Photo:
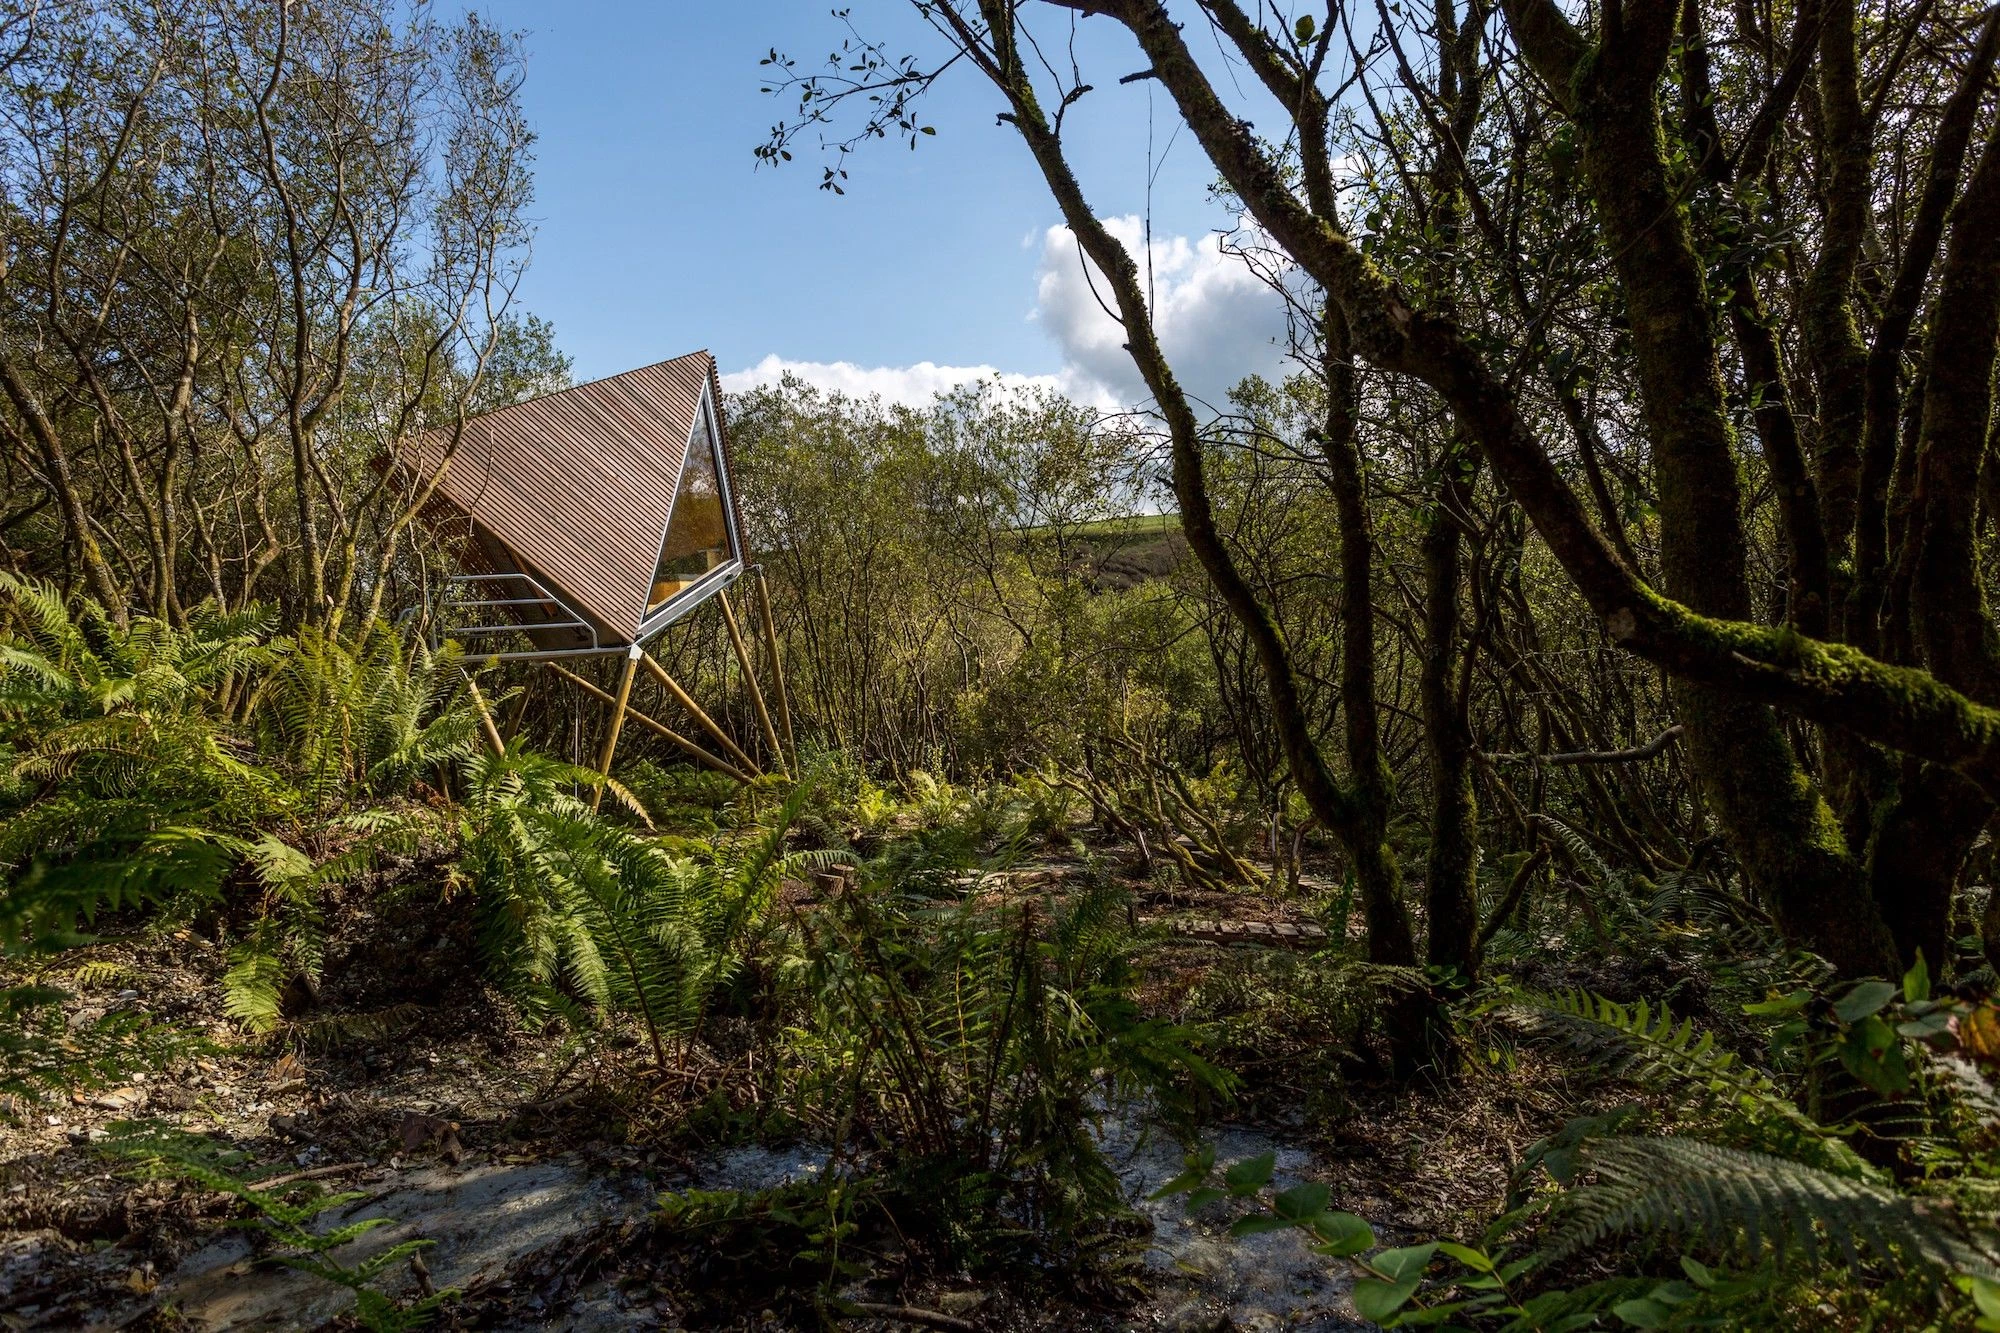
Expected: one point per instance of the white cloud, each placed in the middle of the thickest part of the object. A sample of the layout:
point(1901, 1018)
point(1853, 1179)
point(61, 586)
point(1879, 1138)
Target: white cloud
point(913, 386)
point(1218, 321)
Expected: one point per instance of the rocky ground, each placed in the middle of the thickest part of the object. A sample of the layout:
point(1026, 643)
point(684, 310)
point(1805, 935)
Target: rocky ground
point(533, 1164)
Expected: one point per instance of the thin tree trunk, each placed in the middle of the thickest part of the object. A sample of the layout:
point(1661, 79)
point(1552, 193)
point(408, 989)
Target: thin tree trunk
point(1450, 891)
point(56, 469)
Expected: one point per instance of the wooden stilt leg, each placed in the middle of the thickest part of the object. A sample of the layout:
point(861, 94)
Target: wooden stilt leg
point(686, 700)
point(514, 717)
point(485, 717)
point(617, 719)
point(777, 666)
point(750, 676)
point(652, 724)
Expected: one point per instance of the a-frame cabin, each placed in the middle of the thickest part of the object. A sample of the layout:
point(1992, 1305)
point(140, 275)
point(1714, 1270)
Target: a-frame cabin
point(584, 522)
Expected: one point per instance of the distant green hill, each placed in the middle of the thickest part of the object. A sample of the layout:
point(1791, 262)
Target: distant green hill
point(1128, 551)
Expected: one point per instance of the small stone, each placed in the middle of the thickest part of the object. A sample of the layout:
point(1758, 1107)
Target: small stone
point(174, 1099)
point(961, 1302)
point(120, 1099)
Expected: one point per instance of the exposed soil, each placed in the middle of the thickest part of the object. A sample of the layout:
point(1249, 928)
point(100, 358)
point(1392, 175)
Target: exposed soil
point(534, 1169)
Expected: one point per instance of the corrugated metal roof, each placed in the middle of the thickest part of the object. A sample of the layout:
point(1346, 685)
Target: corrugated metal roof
point(581, 482)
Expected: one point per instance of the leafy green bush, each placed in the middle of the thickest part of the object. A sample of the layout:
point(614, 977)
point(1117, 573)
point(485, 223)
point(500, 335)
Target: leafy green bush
point(975, 1045)
point(364, 717)
point(124, 786)
point(619, 919)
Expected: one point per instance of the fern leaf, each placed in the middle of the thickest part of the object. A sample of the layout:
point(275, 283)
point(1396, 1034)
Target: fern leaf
point(250, 988)
point(1647, 1045)
point(1752, 1203)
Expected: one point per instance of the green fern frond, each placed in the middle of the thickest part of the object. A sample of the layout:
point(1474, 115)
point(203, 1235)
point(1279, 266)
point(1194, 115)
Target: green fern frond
point(1578, 847)
point(1751, 1203)
point(251, 988)
point(1646, 1044)
point(283, 868)
point(174, 863)
point(98, 974)
point(44, 615)
point(625, 797)
point(41, 1053)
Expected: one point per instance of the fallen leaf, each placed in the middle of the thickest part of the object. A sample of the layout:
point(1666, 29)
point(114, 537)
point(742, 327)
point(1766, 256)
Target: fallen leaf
point(419, 1130)
point(1979, 1032)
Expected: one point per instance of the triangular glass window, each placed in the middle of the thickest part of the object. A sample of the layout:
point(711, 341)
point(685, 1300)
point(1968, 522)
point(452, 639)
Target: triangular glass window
point(699, 539)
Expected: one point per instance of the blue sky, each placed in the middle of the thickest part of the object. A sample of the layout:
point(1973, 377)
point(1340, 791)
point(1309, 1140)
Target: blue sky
point(656, 234)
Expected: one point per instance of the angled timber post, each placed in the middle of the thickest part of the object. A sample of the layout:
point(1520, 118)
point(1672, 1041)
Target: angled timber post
point(777, 664)
point(515, 716)
point(686, 700)
point(498, 746)
point(652, 724)
point(750, 675)
point(617, 719)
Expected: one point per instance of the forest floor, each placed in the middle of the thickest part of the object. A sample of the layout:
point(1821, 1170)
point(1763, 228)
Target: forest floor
point(534, 1164)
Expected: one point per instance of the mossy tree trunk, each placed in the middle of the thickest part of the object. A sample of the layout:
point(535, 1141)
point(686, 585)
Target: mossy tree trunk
point(1451, 862)
point(1359, 812)
point(1730, 671)
point(1780, 827)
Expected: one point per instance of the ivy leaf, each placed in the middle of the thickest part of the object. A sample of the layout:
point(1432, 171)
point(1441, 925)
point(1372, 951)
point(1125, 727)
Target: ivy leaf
point(1466, 1255)
point(1304, 29)
point(1375, 1301)
point(1257, 1224)
point(1250, 1175)
point(1779, 1006)
point(1930, 1025)
point(1863, 1000)
point(1986, 1295)
point(1644, 1312)
point(1917, 981)
point(1343, 1235)
point(1301, 1203)
point(1199, 1163)
point(1408, 1262)
point(1873, 1054)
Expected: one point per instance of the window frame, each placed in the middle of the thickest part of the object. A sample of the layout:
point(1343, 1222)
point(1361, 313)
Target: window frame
point(654, 619)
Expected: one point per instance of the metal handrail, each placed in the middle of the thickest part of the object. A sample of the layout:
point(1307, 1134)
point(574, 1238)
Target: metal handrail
point(453, 608)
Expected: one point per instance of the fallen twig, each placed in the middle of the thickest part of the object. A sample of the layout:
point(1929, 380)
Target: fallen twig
point(316, 1173)
point(911, 1314)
